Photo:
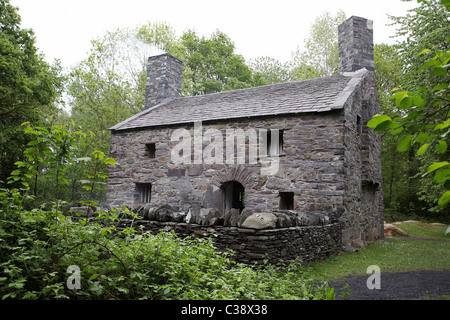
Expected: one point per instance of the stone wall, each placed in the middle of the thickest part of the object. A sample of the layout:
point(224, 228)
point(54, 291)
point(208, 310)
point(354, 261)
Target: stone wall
point(250, 246)
point(311, 166)
point(362, 218)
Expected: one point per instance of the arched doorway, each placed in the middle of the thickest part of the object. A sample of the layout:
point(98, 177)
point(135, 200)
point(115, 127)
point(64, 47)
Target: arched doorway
point(233, 194)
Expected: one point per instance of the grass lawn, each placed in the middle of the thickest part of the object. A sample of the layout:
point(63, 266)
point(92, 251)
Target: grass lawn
point(391, 254)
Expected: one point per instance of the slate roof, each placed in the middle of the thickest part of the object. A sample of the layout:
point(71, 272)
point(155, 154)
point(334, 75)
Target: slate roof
point(315, 95)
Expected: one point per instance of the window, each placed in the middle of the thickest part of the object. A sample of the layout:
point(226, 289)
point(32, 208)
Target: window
point(150, 149)
point(274, 142)
point(233, 195)
point(358, 124)
point(143, 192)
point(287, 200)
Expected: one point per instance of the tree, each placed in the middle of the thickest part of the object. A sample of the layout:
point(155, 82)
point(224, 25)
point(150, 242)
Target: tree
point(424, 123)
point(29, 86)
point(109, 85)
point(321, 55)
point(272, 70)
point(400, 184)
point(424, 27)
point(209, 64)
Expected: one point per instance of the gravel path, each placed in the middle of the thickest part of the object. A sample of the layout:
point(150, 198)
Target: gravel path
point(396, 285)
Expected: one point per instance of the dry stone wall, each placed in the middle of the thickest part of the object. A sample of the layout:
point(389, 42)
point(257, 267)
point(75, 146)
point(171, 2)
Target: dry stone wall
point(307, 243)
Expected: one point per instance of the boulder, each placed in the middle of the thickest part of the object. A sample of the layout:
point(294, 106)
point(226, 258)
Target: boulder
point(302, 219)
point(178, 216)
point(245, 213)
point(260, 220)
point(391, 230)
point(193, 215)
point(286, 218)
point(211, 217)
point(231, 217)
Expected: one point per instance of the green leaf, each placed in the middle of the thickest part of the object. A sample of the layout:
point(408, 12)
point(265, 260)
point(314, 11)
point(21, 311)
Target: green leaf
point(20, 164)
point(377, 119)
point(405, 103)
point(439, 71)
point(441, 147)
point(428, 64)
point(404, 143)
point(437, 165)
point(442, 125)
point(444, 199)
point(442, 175)
point(384, 125)
point(423, 149)
point(423, 51)
point(110, 161)
point(399, 96)
point(440, 87)
point(421, 137)
point(123, 290)
point(94, 276)
point(396, 130)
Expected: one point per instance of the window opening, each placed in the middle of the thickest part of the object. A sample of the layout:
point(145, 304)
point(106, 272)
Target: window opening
point(233, 194)
point(287, 200)
point(144, 192)
point(358, 124)
point(151, 148)
point(274, 145)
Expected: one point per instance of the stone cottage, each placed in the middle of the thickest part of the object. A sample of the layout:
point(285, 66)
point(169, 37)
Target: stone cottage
point(297, 148)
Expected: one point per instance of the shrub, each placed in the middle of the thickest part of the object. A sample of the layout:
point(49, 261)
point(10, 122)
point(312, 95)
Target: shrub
point(37, 247)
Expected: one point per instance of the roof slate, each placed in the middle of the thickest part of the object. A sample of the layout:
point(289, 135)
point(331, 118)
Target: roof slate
point(315, 95)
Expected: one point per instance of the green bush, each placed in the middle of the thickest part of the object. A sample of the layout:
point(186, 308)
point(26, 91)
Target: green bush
point(37, 247)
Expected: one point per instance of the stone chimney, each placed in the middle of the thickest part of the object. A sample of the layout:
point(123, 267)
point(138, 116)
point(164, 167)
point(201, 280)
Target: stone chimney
point(163, 79)
point(355, 37)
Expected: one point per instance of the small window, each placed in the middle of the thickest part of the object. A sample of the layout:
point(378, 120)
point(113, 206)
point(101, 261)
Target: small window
point(358, 124)
point(274, 142)
point(150, 148)
point(143, 192)
point(287, 200)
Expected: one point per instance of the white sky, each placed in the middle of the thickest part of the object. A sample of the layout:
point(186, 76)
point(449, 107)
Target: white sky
point(274, 28)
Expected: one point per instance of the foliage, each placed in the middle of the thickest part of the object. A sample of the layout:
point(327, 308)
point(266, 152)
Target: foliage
point(29, 87)
point(419, 117)
point(426, 120)
point(38, 247)
point(108, 86)
point(400, 181)
point(322, 53)
point(37, 250)
point(98, 175)
point(424, 27)
point(49, 153)
point(209, 64)
point(272, 70)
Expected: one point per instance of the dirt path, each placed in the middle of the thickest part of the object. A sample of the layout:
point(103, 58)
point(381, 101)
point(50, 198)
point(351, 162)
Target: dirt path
point(396, 285)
